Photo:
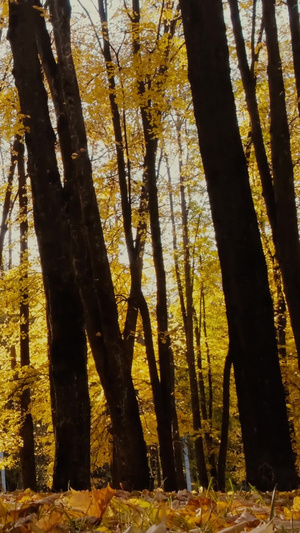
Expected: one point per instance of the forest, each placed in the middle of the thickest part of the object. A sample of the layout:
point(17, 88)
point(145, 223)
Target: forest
point(149, 244)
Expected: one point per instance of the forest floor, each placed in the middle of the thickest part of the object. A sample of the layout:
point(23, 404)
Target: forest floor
point(107, 511)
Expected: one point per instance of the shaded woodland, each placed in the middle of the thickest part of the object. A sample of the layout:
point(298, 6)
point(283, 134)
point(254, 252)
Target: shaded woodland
point(149, 246)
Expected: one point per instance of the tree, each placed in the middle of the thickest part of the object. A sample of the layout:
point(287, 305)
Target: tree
point(268, 452)
point(67, 344)
point(27, 432)
point(287, 235)
point(135, 247)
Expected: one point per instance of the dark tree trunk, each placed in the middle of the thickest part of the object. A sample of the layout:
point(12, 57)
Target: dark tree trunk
point(280, 198)
point(189, 334)
point(249, 83)
point(27, 451)
point(67, 344)
point(286, 212)
point(295, 33)
point(209, 415)
point(7, 199)
point(166, 361)
point(93, 272)
point(265, 431)
point(164, 434)
point(135, 251)
point(225, 424)
point(134, 248)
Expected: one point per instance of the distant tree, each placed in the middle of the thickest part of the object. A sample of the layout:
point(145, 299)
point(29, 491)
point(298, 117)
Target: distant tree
point(27, 431)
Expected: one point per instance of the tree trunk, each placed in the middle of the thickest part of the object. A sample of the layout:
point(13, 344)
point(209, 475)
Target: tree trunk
point(67, 343)
point(26, 431)
point(93, 271)
point(135, 251)
point(209, 418)
point(189, 334)
point(166, 361)
point(295, 34)
point(7, 200)
point(265, 431)
point(286, 212)
point(280, 196)
point(225, 424)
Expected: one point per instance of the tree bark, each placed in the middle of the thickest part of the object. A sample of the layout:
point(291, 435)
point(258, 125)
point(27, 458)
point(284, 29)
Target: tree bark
point(166, 360)
point(7, 199)
point(225, 424)
point(279, 195)
point(265, 431)
point(286, 212)
point(67, 343)
point(189, 333)
point(27, 432)
point(295, 34)
point(93, 272)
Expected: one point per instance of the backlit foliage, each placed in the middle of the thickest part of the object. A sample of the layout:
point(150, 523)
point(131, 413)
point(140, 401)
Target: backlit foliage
point(168, 101)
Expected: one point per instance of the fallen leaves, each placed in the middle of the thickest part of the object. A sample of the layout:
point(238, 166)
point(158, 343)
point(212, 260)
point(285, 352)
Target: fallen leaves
point(107, 510)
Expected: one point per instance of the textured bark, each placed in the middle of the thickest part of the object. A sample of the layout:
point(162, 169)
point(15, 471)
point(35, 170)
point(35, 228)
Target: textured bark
point(225, 424)
point(279, 195)
point(295, 34)
point(265, 431)
point(93, 272)
point(249, 83)
point(135, 248)
point(288, 248)
point(163, 429)
point(26, 431)
point(67, 344)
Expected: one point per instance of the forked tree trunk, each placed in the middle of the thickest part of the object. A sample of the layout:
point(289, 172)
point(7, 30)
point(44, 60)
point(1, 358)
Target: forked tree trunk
point(288, 248)
point(67, 343)
point(279, 193)
point(295, 34)
point(93, 271)
point(265, 430)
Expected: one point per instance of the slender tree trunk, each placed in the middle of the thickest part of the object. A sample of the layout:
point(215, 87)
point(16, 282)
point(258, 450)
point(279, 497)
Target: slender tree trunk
point(286, 212)
point(96, 289)
point(7, 199)
point(280, 197)
point(189, 332)
point(67, 343)
point(265, 430)
point(26, 432)
point(135, 253)
point(166, 361)
point(295, 33)
point(209, 415)
point(225, 424)
point(93, 272)
point(163, 430)
point(249, 83)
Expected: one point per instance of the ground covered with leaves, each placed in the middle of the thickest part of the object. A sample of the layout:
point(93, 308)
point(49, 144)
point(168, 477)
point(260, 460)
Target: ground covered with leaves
point(107, 510)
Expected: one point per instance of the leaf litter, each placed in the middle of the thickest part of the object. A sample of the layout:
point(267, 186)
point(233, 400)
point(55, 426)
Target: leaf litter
point(107, 510)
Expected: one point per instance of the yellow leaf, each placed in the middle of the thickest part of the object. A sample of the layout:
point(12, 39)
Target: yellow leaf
point(48, 521)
